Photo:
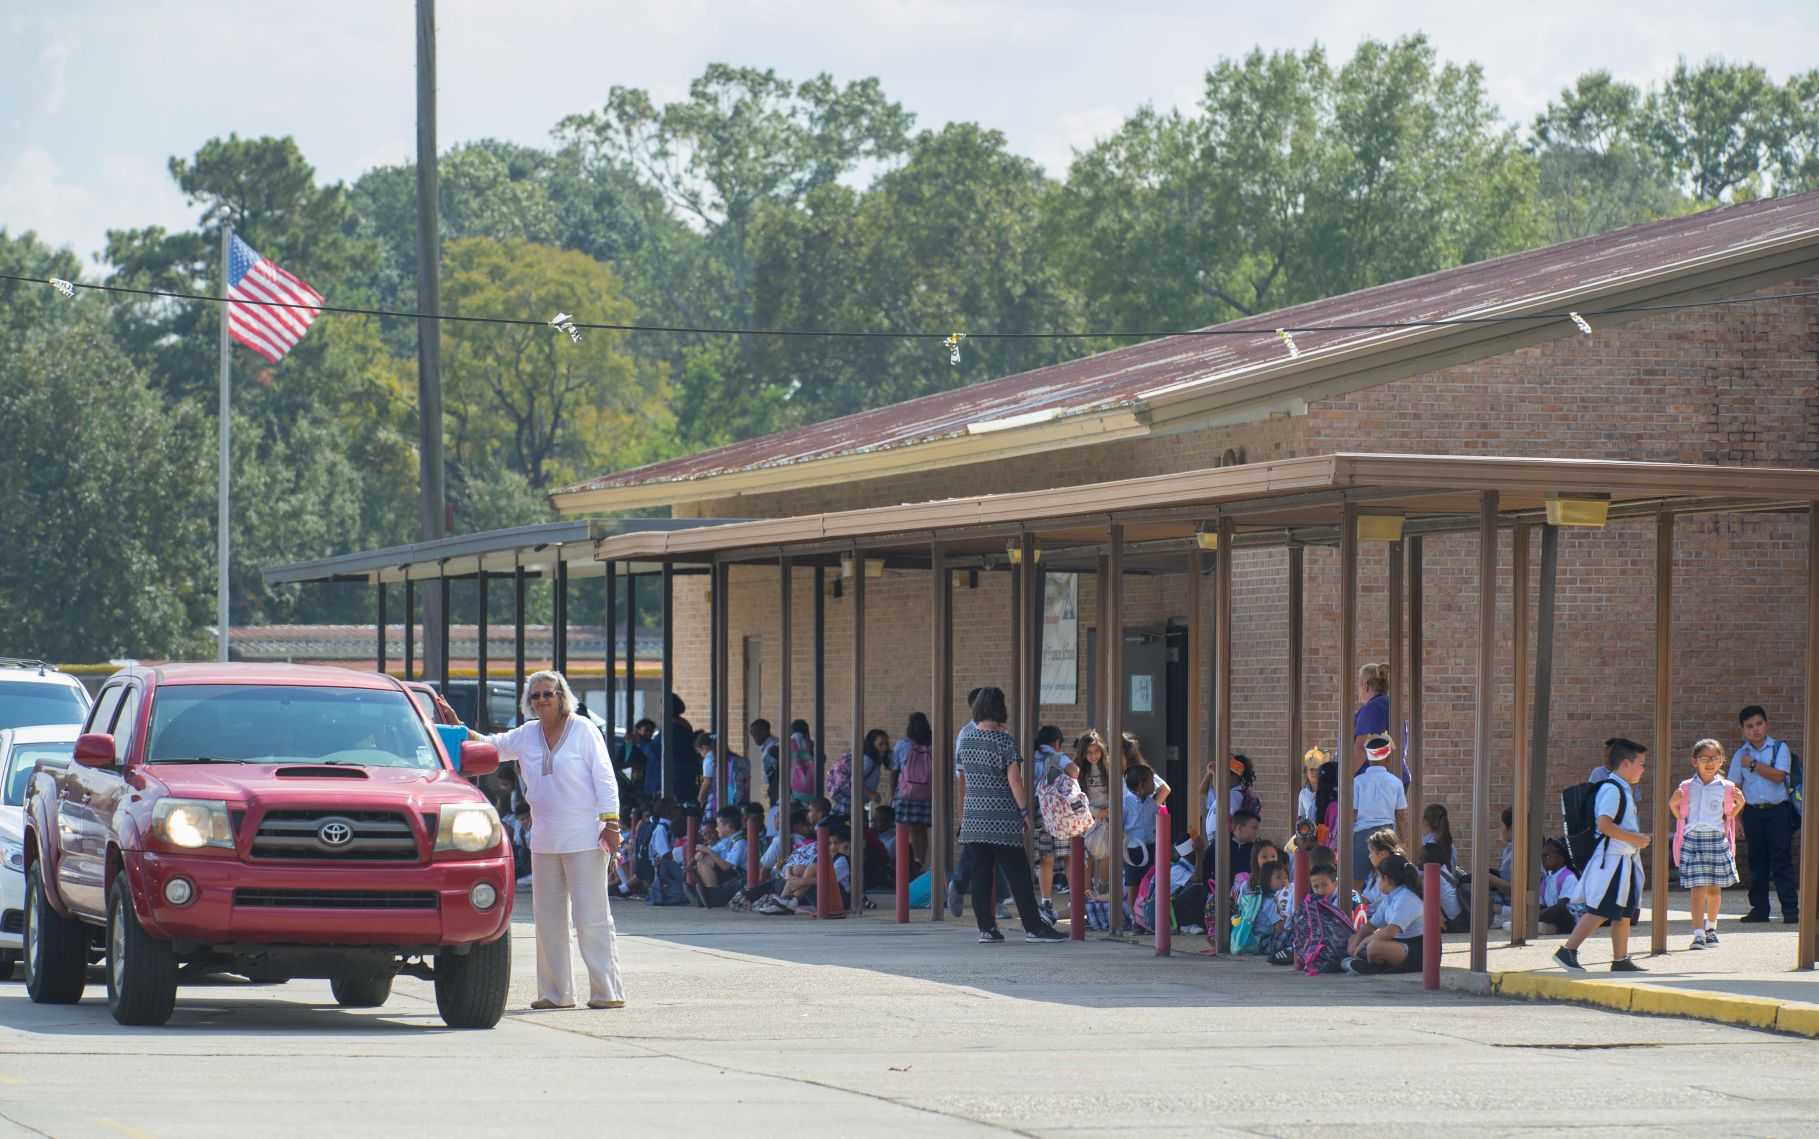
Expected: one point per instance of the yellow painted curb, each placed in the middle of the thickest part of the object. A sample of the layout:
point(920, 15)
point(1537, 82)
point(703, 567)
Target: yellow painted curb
point(1801, 1020)
point(1661, 1000)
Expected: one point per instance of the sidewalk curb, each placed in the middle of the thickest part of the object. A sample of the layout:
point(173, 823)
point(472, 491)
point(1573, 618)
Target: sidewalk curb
point(1662, 1000)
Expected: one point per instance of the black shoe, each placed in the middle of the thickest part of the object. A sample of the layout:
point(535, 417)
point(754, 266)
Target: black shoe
point(1568, 959)
point(989, 936)
point(1282, 957)
point(1754, 917)
point(697, 897)
point(1625, 965)
point(1048, 934)
point(1791, 919)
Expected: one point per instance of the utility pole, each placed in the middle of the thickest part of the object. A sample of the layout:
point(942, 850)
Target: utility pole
point(431, 498)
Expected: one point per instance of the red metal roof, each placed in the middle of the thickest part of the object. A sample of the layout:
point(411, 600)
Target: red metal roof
point(1126, 376)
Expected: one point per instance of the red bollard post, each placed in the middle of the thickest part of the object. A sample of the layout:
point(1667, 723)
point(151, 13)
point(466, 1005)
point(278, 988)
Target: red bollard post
point(1433, 925)
point(1304, 866)
point(1076, 888)
point(691, 837)
point(754, 838)
point(1159, 892)
point(825, 886)
point(901, 859)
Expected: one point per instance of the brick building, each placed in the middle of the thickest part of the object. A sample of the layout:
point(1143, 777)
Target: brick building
point(1728, 385)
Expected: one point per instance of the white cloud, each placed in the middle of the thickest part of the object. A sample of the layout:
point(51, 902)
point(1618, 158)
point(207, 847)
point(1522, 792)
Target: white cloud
point(54, 59)
point(37, 194)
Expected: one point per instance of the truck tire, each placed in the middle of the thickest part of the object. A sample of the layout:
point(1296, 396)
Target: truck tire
point(141, 969)
point(56, 948)
point(471, 987)
point(363, 992)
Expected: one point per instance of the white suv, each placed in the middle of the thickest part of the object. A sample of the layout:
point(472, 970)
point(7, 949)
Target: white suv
point(32, 693)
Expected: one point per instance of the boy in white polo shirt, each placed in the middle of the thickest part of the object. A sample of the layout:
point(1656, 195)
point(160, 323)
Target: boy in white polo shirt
point(1379, 800)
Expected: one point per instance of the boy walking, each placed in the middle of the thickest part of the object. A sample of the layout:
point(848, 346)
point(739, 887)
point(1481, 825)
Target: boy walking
point(1611, 889)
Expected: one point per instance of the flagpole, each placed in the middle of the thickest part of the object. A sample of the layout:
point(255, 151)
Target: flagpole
point(221, 607)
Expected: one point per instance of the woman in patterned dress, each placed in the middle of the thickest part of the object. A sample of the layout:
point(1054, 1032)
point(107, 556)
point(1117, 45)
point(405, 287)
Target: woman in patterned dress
point(993, 817)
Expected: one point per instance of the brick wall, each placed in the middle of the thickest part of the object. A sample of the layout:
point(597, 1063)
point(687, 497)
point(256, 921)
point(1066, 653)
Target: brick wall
point(1733, 386)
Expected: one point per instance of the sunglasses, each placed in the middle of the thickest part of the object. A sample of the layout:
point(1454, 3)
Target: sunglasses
point(535, 696)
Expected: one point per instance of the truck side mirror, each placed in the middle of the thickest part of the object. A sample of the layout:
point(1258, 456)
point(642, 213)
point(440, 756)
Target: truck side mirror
point(478, 758)
point(95, 749)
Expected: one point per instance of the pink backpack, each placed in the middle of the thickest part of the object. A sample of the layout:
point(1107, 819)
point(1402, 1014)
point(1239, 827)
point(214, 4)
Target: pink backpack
point(913, 780)
point(1730, 824)
point(840, 778)
point(802, 765)
point(1065, 811)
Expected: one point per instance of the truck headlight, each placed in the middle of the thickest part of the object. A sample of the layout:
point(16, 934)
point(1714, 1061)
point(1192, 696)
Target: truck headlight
point(468, 827)
point(193, 823)
point(14, 856)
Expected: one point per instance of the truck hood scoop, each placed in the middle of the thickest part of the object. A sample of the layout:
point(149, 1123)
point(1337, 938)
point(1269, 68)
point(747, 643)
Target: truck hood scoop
point(320, 773)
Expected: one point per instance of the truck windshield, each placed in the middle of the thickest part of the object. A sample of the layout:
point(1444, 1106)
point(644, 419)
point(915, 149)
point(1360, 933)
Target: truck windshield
point(284, 724)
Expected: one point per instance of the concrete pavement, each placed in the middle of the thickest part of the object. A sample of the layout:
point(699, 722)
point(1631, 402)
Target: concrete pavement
point(742, 1025)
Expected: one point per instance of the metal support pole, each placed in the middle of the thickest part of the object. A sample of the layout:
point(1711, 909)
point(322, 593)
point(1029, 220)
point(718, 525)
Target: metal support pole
point(379, 623)
point(224, 473)
point(1223, 872)
point(727, 734)
point(518, 640)
point(821, 678)
point(559, 634)
point(856, 784)
point(1664, 766)
point(785, 577)
point(410, 628)
point(442, 623)
point(1526, 863)
point(1112, 641)
point(1417, 653)
point(1481, 716)
point(1411, 838)
point(1543, 693)
point(1348, 757)
point(631, 649)
point(432, 498)
point(1028, 629)
point(1808, 937)
point(1297, 632)
point(610, 655)
point(664, 716)
point(482, 701)
point(941, 700)
point(1196, 675)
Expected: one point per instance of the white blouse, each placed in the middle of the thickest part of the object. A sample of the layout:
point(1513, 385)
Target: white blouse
point(568, 788)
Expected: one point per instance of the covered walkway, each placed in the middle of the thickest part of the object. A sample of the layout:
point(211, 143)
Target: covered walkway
point(1196, 524)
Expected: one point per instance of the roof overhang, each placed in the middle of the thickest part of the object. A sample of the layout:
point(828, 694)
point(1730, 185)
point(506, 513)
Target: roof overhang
point(1298, 501)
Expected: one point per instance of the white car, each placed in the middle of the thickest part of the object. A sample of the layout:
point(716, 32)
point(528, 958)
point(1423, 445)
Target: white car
point(32, 692)
point(21, 751)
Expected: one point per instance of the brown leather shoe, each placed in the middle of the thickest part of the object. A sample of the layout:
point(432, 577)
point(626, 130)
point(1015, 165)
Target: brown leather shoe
point(606, 1004)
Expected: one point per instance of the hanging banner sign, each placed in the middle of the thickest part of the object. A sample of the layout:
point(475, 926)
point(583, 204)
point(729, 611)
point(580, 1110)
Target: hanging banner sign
point(1061, 638)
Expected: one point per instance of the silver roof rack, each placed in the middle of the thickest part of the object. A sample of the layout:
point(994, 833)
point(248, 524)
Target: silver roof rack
point(26, 662)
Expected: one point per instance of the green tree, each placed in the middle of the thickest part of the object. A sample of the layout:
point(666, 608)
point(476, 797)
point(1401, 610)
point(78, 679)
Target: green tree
point(108, 511)
point(525, 396)
point(1719, 126)
point(1597, 166)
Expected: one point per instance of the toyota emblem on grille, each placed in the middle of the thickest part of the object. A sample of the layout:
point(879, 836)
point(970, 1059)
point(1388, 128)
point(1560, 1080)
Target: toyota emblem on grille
point(335, 832)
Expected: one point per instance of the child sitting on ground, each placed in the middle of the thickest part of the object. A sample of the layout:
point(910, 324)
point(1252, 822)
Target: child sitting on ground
point(1263, 852)
point(720, 868)
point(1440, 832)
point(1269, 928)
point(1500, 877)
point(1557, 882)
point(800, 880)
point(1392, 942)
point(666, 871)
point(1452, 905)
point(1380, 845)
point(1319, 933)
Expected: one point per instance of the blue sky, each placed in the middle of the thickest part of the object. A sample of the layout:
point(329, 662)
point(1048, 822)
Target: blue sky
point(95, 97)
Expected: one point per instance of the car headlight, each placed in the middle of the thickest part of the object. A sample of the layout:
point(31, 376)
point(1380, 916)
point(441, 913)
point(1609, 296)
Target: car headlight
point(14, 856)
point(193, 823)
point(468, 827)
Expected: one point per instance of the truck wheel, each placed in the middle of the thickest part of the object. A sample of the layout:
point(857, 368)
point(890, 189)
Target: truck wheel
point(56, 948)
point(141, 970)
point(366, 992)
point(471, 987)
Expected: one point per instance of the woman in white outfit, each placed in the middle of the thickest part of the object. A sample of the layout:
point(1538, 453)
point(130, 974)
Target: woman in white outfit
point(574, 800)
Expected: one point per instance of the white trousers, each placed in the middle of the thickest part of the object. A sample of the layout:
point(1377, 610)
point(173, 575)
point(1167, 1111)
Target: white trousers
point(559, 881)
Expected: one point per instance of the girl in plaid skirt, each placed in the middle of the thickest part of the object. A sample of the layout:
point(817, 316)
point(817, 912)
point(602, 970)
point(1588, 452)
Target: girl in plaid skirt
point(1705, 837)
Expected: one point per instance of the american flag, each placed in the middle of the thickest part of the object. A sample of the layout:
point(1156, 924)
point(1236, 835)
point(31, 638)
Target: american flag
point(267, 329)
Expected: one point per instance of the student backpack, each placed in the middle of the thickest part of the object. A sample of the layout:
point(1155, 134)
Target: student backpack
point(1318, 936)
point(802, 766)
point(1244, 923)
point(1579, 810)
point(840, 778)
point(1063, 807)
point(1795, 782)
point(914, 781)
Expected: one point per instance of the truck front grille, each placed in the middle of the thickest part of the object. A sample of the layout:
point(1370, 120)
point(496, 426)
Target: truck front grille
point(368, 836)
point(336, 899)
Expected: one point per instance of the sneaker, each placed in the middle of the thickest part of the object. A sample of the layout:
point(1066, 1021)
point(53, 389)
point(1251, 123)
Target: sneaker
point(1504, 924)
point(990, 936)
point(1625, 965)
point(1754, 917)
point(1568, 959)
point(1791, 919)
point(1698, 939)
point(1346, 964)
point(524, 883)
point(1047, 909)
point(1282, 957)
point(955, 900)
point(1711, 939)
point(1047, 935)
point(1192, 930)
point(696, 896)
point(1004, 909)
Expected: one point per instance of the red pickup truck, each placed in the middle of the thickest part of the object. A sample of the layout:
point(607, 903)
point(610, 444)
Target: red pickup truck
point(272, 821)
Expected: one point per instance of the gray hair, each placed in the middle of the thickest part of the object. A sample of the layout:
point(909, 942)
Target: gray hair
point(565, 696)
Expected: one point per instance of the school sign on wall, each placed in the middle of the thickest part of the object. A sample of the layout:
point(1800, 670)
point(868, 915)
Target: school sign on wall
point(1061, 638)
